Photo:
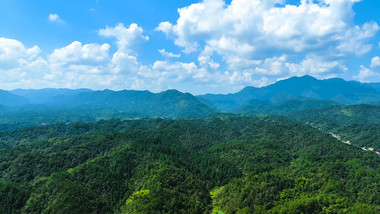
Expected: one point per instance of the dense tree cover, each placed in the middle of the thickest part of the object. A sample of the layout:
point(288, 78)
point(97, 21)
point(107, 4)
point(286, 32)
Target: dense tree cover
point(358, 124)
point(51, 106)
point(19, 118)
point(336, 116)
point(288, 106)
point(364, 135)
point(225, 163)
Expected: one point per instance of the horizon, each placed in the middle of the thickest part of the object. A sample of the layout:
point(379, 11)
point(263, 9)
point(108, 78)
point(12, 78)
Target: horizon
point(102, 45)
point(206, 93)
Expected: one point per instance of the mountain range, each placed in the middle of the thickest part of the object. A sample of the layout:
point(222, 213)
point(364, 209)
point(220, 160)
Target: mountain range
point(301, 145)
point(300, 88)
point(289, 95)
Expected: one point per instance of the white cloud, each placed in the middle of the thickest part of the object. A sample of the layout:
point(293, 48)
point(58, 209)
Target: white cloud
point(375, 62)
point(19, 65)
point(80, 65)
point(248, 32)
point(124, 63)
point(13, 52)
point(249, 42)
point(190, 77)
point(316, 65)
point(353, 37)
point(165, 27)
point(125, 59)
point(55, 18)
point(127, 38)
point(367, 75)
point(164, 53)
point(77, 60)
point(205, 59)
point(76, 53)
point(272, 66)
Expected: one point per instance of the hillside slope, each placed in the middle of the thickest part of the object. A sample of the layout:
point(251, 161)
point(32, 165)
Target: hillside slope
point(358, 124)
point(9, 99)
point(233, 164)
point(298, 88)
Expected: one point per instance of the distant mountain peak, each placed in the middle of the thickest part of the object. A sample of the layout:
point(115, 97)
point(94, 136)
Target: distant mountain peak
point(334, 89)
point(305, 77)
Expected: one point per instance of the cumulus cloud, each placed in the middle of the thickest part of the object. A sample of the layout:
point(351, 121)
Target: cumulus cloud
point(247, 42)
point(166, 54)
point(77, 65)
point(165, 27)
point(55, 18)
point(77, 60)
point(375, 62)
point(76, 53)
point(247, 33)
point(92, 65)
point(126, 38)
point(367, 75)
point(315, 65)
point(205, 59)
point(125, 59)
point(272, 66)
point(80, 65)
point(13, 53)
point(19, 64)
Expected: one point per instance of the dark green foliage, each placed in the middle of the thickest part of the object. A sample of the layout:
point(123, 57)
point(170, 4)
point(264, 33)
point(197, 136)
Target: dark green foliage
point(263, 164)
point(286, 107)
point(366, 135)
point(12, 196)
point(358, 124)
point(58, 194)
point(169, 190)
point(303, 187)
point(334, 116)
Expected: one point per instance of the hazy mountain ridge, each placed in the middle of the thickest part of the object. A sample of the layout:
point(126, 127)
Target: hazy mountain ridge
point(376, 86)
point(298, 88)
point(40, 96)
point(85, 105)
point(10, 99)
point(171, 103)
point(282, 97)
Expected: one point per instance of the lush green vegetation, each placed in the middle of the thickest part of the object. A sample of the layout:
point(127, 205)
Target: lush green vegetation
point(358, 124)
point(283, 108)
point(220, 164)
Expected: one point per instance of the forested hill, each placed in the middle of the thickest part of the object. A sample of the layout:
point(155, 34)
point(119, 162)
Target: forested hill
point(10, 99)
point(221, 164)
point(289, 95)
point(65, 106)
point(359, 124)
point(300, 88)
point(41, 96)
point(170, 103)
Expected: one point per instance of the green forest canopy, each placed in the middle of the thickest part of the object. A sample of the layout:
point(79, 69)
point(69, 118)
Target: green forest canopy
point(219, 164)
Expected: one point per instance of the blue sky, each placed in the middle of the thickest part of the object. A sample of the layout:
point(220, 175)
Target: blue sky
point(210, 46)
